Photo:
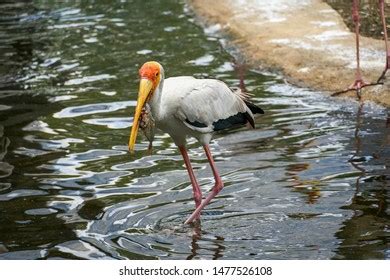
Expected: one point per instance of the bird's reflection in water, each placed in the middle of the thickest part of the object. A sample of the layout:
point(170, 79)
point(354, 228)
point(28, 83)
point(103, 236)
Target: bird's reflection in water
point(217, 249)
point(356, 158)
point(369, 204)
point(360, 156)
point(383, 175)
point(240, 68)
point(310, 188)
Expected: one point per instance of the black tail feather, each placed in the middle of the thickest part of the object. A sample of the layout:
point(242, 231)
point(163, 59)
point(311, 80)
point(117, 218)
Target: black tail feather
point(254, 108)
point(239, 119)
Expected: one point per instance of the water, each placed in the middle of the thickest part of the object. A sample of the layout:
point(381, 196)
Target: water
point(310, 182)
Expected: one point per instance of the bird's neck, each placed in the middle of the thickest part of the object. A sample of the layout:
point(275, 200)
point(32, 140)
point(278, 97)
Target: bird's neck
point(155, 101)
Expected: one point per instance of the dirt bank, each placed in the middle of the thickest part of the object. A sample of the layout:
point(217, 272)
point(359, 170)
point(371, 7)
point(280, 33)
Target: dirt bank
point(305, 39)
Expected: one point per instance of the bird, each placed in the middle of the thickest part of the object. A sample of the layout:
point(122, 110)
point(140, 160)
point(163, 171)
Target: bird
point(184, 107)
point(359, 82)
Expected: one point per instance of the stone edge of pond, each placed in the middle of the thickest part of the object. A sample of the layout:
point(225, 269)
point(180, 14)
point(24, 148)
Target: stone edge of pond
point(309, 43)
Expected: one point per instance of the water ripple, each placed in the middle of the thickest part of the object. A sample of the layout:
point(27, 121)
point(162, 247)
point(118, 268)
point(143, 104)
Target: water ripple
point(76, 111)
point(313, 164)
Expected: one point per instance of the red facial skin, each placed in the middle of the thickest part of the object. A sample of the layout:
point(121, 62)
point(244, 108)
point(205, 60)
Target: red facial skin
point(151, 71)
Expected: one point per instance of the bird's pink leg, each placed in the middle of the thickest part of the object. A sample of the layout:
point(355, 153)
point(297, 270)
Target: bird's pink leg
point(214, 191)
point(359, 83)
point(383, 18)
point(195, 186)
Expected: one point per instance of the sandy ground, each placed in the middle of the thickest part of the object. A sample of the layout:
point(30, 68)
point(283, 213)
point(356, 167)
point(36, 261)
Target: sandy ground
point(304, 39)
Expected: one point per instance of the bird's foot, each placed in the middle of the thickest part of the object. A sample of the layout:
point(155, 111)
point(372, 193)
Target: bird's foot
point(196, 214)
point(357, 86)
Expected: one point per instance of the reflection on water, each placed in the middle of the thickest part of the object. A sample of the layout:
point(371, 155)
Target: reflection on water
point(309, 183)
point(366, 234)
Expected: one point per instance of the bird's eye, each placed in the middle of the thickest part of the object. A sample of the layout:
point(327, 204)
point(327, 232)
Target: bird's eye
point(156, 74)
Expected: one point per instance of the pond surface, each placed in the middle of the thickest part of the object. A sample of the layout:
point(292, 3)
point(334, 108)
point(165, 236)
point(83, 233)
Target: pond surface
point(310, 182)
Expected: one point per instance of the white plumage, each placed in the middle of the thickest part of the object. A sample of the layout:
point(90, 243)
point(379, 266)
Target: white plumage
point(184, 106)
point(184, 100)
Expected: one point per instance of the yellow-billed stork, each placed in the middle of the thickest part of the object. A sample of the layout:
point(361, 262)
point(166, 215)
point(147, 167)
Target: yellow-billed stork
point(185, 106)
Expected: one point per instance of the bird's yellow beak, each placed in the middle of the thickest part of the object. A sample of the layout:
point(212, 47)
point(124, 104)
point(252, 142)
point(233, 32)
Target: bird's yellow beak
point(145, 90)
